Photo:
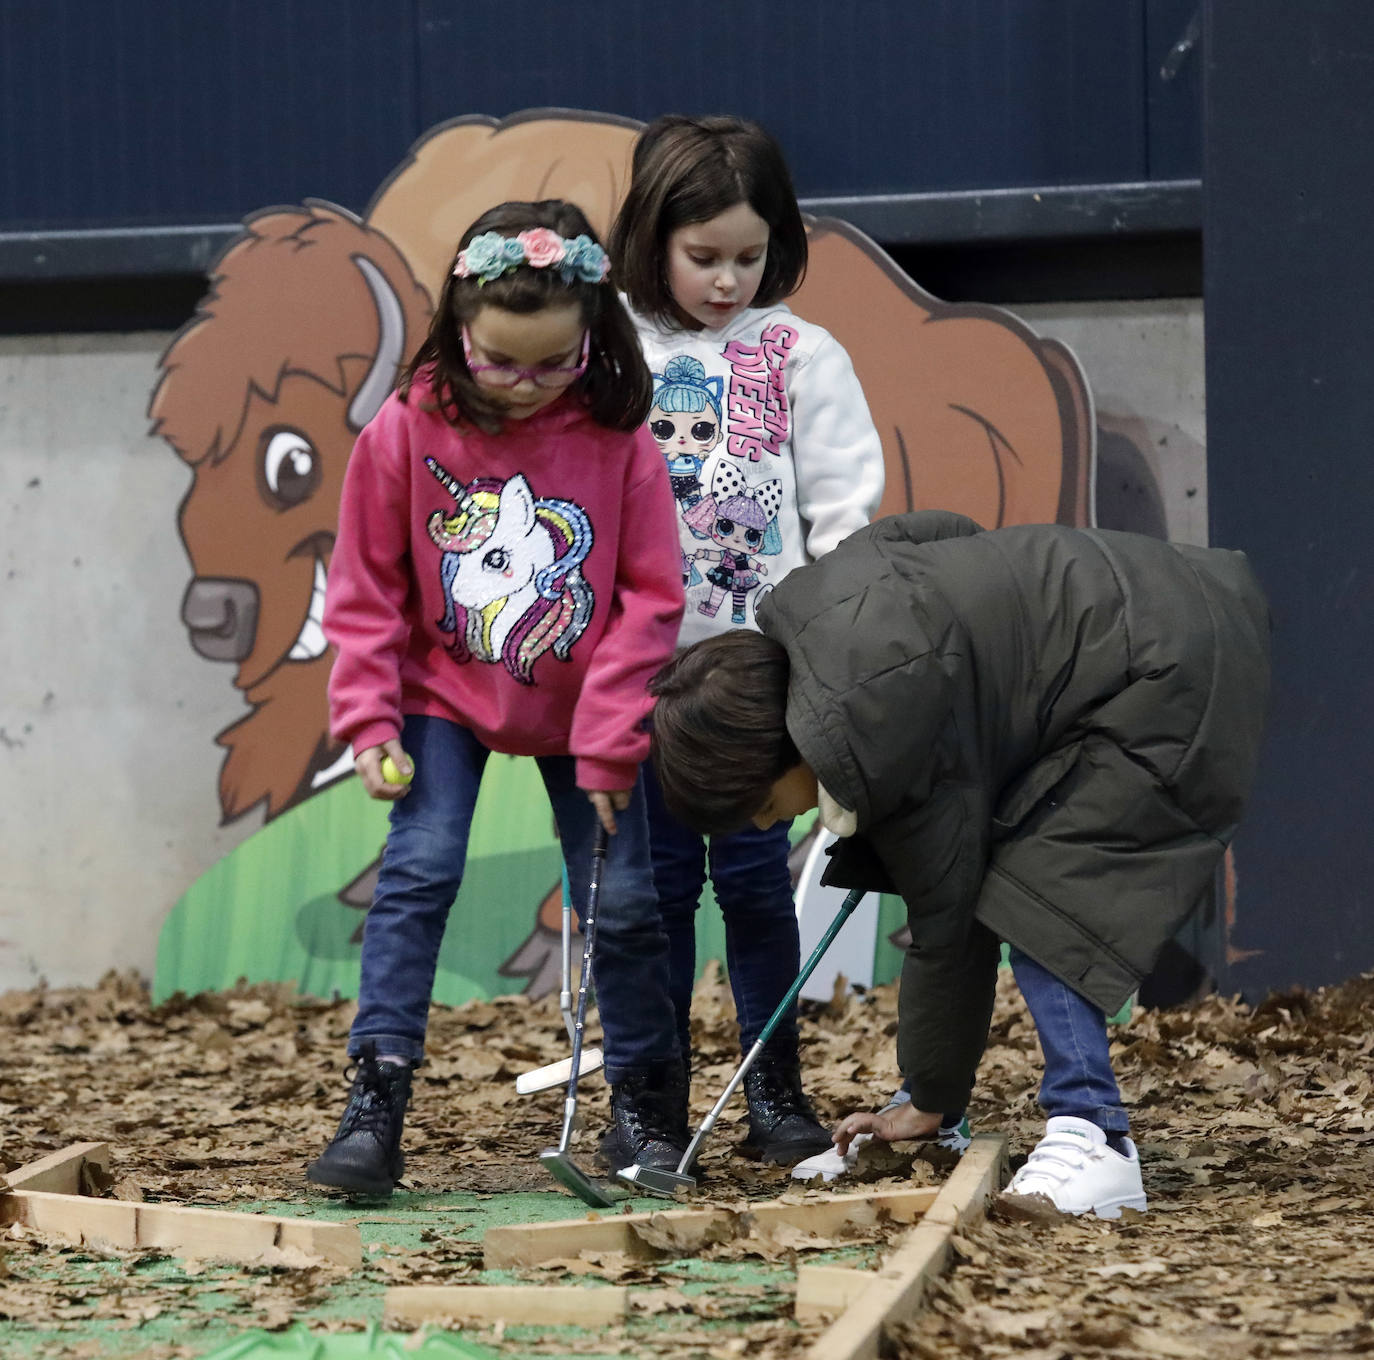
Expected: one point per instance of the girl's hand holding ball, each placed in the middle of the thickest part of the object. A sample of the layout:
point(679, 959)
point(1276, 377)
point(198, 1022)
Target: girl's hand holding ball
point(386, 771)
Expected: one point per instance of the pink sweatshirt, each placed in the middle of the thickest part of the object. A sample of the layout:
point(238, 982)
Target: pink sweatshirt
point(525, 584)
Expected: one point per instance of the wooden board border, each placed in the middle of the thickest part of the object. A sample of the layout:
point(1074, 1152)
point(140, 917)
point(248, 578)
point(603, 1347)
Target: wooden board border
point(653, 1235)
point(897, 1291)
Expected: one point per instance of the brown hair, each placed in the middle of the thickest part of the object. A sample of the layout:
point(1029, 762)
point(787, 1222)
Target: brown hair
point(719, 740)
point(616, 387)
point(690, 170)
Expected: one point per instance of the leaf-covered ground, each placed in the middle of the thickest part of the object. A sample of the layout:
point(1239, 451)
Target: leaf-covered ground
point(1256, 1129)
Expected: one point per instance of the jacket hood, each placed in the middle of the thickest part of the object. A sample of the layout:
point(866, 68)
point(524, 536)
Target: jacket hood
point(871, 685)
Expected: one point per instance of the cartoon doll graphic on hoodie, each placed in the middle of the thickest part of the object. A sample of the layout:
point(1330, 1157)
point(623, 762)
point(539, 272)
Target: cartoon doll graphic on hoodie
point(770, 449)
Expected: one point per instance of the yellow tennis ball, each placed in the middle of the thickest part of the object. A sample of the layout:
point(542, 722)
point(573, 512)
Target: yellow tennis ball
point(391, 772)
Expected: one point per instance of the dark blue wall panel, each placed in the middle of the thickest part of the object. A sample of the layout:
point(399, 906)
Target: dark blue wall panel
point(118, 113)
point(1289, 297)
point(133, 112)
point(867, 96)
point(1174, 63)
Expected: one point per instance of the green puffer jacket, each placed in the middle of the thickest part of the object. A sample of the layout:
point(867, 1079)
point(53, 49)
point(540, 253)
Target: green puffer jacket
point(1047, 735)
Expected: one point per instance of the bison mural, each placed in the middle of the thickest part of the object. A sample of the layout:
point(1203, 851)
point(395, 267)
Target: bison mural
point(309, 315)
point(311, 311)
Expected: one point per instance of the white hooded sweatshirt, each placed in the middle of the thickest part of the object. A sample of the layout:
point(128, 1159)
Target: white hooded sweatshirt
point(771, 451)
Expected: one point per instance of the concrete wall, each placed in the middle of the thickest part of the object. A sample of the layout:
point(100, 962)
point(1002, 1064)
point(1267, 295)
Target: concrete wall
point(1145, 368)
point(108, 766)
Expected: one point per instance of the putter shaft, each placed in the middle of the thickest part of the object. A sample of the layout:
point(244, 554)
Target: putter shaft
point(565, 962)
point(559, 1161)
point(667, 1182)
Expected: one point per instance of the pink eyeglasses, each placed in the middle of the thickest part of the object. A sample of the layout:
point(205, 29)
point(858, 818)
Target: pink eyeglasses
point(506, 375)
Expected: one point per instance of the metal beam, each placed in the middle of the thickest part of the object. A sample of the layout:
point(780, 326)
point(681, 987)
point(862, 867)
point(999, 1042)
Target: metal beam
point(992, 216)
point(966, 217)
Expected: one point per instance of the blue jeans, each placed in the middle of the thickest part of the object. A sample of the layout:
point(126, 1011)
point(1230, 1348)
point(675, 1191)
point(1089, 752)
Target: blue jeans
point(1078, 1076)
point(754, 889)
point(422, 868)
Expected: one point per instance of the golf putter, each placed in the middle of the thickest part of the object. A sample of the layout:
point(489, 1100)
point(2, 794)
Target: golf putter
point(556, 1074)
point(664, 1183)
point(558, 1159)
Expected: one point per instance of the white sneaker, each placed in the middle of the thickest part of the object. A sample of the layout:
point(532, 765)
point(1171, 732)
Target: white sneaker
point(1074, 1169)
point(831, 1165)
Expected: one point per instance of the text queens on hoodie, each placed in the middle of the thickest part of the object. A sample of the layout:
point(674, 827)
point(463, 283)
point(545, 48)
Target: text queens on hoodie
point(522, 584)
point(771, 453)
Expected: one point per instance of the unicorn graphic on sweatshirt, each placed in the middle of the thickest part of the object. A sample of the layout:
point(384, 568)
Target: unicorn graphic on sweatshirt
point(511, 569)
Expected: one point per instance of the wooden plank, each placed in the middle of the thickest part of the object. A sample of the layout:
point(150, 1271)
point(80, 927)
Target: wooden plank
point(897, 1290)
point(683, 1232)
point(338, 1243)
point(964, 1196)
point(60, 1173)
point(825, 1217)
point(643, 1237)
point(540, 1305)
point(77, 1218)
point(180, 1230)
point(824, 1291)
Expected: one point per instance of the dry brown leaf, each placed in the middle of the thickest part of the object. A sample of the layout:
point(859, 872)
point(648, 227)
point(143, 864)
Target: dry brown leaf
point(675, 1238)
point(1254, 1124)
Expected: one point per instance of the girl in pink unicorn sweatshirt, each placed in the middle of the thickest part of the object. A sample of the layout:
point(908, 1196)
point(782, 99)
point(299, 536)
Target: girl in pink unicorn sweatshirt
point(505, 579)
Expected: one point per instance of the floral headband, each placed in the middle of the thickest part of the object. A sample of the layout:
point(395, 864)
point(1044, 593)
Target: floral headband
point(490, 255)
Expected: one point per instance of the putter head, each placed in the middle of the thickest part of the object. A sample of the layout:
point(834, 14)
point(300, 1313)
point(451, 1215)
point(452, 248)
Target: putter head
point(653, 1181)
point(557, 1074)
point(566, 1172)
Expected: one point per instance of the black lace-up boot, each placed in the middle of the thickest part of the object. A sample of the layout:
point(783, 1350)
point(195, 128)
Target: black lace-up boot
point(365, 1156)
point(649, 1120)
point(783, 1127)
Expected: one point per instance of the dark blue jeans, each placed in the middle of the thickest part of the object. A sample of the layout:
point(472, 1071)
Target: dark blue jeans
point(422, 868)
point(754, 889)
point(1078, 1076)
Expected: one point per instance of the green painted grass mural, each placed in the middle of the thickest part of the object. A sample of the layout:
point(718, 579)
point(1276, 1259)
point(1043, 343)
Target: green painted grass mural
point(270, 911)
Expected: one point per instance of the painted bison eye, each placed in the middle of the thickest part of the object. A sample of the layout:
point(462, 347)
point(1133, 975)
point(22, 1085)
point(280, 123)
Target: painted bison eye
point(289, 470)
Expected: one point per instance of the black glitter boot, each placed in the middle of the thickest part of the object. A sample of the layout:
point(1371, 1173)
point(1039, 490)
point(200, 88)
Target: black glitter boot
point(649, 1114)
point(783, 1127)
point(365, 1156)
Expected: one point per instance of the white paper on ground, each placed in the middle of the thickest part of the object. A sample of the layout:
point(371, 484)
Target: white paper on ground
point(830, 1165)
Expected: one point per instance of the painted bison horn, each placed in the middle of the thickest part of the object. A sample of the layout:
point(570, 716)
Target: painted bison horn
point(391, 338)
point(222, 617)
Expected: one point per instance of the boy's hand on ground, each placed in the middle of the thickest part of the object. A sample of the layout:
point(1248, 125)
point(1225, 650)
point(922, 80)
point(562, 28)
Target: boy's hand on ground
point(368, 764)
point(903, 1123)
point(607, 804)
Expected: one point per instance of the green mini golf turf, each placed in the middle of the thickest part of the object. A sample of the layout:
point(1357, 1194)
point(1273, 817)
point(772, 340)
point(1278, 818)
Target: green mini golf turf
point(149, 1305)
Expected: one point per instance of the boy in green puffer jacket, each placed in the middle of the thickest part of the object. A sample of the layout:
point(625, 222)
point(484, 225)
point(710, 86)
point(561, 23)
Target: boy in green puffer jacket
point(1038, 735)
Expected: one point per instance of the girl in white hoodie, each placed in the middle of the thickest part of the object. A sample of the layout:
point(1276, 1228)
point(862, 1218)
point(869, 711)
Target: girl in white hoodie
point(773, 460)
